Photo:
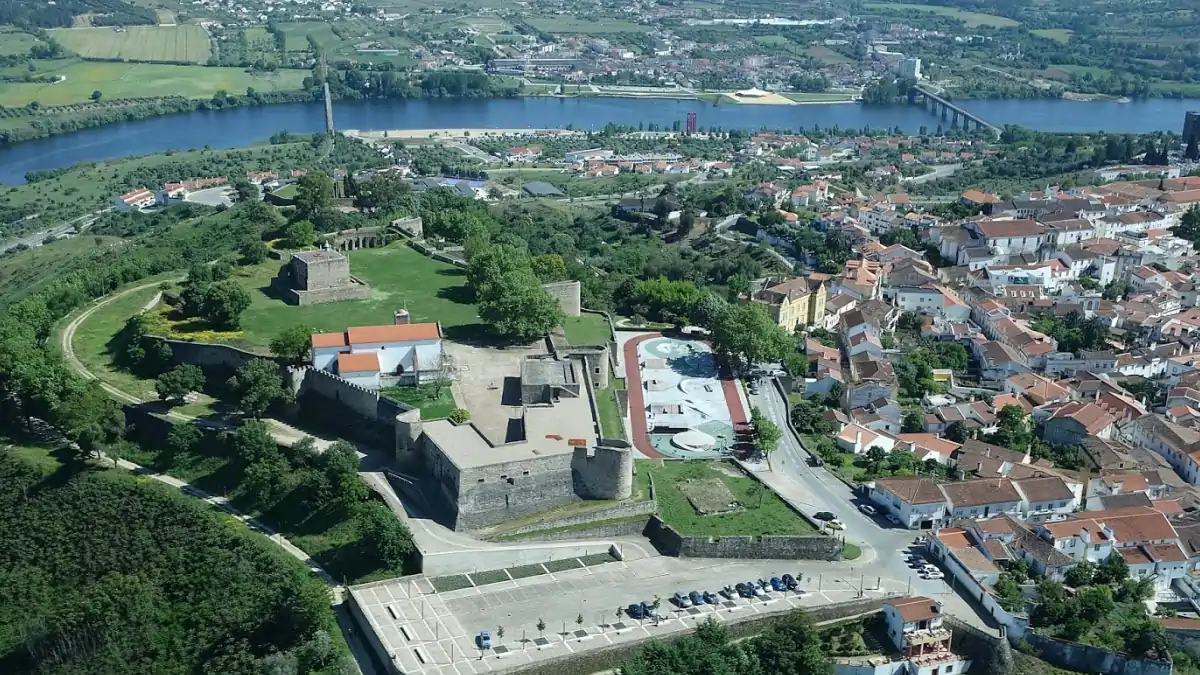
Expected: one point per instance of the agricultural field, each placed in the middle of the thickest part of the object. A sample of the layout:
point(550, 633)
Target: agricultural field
point(571, 24)
point(165, 17)
point(298, 33)
point(1062, 35)
point(139, 43)
point(143, 80)
point(829, 56)
point(15, 42)
point(971, 19)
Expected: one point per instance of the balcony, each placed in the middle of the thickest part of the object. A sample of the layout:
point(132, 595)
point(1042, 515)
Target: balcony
point(926, 636)
point(934, 658)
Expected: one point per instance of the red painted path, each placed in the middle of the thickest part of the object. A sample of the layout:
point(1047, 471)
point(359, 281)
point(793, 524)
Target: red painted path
point(637, 398)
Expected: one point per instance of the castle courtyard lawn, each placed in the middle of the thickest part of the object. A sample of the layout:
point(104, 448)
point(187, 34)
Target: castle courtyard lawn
point(434, 405)
point(400, 278)
point(764, 512)
point(587, 329)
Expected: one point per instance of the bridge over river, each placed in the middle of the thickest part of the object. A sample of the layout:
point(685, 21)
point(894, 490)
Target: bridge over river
point(958, 117)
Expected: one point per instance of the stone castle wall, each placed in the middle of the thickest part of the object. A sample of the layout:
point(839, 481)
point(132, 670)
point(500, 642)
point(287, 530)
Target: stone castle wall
point(513, 490)
point(1089, 659)
point(603, 472)
point(567, 293)
point(208, 355)
point(670, 542)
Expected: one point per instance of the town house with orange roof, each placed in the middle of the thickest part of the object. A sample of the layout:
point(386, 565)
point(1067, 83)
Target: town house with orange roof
point(1178, 444)
point(916, 628)
point(381, 356)
point(1142, 536)
point(795, 302)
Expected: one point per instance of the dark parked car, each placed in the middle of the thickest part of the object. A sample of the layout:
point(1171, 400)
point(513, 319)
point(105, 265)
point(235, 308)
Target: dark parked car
point(744, 590)
point(711, 598)
point(825, 515)
point(697, 598)
point(790, 582)
point(777, 584)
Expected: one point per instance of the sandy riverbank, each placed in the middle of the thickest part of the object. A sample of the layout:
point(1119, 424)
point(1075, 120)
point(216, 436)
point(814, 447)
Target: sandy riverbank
point(401, 134)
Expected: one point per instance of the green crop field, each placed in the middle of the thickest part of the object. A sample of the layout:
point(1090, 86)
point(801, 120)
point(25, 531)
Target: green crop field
point(597, 26)
point(15, 42)
point(1057, 34)
point(297, 35)
point(139, 43)
point(823, 53)
point(143, 80)
point(971, 19)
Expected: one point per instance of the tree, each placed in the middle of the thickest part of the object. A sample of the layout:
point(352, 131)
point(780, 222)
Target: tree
point(293, 344)
point(1008, 591)
point(1189, 224)
point(446, 372)
point(499, 633)
point(222, 304)
point(383, 536)
point(340, 463)
point(244, 190)
point(314, 197)
point(252, 443)
point(1080, 575)
point(96, 95)
point(766, 433)
point(179, 382)
point(876, 454)
point(792, 646)
point(184, 437)
point(384, 193)
point(518, 309)
point(487, 264)
point(257, 386)
point(1094, 603)
point(745, 332)
point(1112, 570)
point(914, 422)
point(253, 252)
point(549, 268)
point(957, 432)
point(579, 620)
point(541, 626)
point(264, 480)
point(300, 234)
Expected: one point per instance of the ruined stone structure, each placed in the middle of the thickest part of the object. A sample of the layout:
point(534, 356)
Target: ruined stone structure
point(351, 240)
point(604, 472)
point(412, 227)
point(544, 379)
point(312, 277)
point(567, 293)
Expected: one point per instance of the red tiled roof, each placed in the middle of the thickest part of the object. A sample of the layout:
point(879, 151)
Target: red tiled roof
point(410, 332)
point(361, 362)
point(912, 610)
point(322, 340)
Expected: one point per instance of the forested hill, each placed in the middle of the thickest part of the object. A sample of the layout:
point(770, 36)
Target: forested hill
point(61, 13)
point(107, 573)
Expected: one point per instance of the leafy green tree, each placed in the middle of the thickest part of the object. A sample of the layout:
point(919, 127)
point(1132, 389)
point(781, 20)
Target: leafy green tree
point(96, 95)
point(293, 344)
point(222, 304)
point(876, 454)
point(383, 536)
point(263, 482)
point(518, 309)
point(1080, 575)
point(243, 190)
point(766, 433)
point(252, 443)
point(745, 332)
point(489, 264)
point(1008, 592)
point(253, 252)
point(792, 646)
point(340, 463)
point(88, 417)
point(179, 382)
point(913, 423)
point(314, 197)
point(1111, 570)
point(957, 432)
point(384, 193)
point(300, 234)
point(257, 386)
point(1094, 603)
point(184, 437)
point(549, 268)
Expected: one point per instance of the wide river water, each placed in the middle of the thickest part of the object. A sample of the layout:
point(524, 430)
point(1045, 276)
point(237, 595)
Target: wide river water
point(236, 127)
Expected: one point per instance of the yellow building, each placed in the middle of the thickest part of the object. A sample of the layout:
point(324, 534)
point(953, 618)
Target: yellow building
point(796, 302)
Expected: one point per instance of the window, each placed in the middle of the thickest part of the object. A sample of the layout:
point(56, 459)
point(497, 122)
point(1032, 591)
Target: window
point(524, 473)
point(511, 481)
point(1096, 547)
point(479, 481)
point(949, 669)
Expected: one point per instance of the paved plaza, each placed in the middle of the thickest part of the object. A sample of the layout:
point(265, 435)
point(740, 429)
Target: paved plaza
point(427, 632)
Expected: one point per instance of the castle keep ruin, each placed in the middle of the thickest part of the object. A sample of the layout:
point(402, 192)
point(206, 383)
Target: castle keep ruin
point(312, 277)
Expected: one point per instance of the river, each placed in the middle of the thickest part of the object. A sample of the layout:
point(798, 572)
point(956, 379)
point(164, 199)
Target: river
point(238, 127)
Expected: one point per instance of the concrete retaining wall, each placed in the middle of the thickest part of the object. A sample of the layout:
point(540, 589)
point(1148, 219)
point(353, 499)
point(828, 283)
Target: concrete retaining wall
point(464, 562)
point(425, 249)
point(1089, 659)
point(630, 527)
point(670, 542)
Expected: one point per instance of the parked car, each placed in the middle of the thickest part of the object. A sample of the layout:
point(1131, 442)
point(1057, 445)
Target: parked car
point(816, 461)
point(825, 515)
point(744, 590)
point(835, 525)
point(867, 509)
point(932, 574)
point(754, 589)
point(648, 609)
point(790, 582)
point(777, 584)
point(894, 519)
point(682, 600)
point(484, 639)
point(697, 598)
point(636, 611)
point(728, 592)
point(711, 598)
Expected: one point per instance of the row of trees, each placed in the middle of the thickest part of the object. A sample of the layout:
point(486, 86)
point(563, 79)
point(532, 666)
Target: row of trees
point(511, 299)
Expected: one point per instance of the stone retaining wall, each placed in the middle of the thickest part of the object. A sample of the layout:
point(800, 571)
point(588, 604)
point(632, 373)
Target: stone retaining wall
point(768, 547)
point(1088, 659)
point(208, 355)
point(624, 510)
point(629, 527)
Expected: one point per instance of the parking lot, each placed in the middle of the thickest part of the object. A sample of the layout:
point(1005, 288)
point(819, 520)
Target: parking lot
point(427, 632)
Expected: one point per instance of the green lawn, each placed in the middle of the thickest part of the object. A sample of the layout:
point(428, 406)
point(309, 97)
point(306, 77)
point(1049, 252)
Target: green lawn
point(823, 53)
point(297, 35)
point(95, 343)
point(143, 80)
point(434, 405)
point(971, 19)
point(587, 329)
point(610, 415)
point(399, 278)
point(764, 512)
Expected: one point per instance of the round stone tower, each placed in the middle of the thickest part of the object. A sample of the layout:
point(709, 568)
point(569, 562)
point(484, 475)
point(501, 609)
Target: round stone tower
point(604, 472)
